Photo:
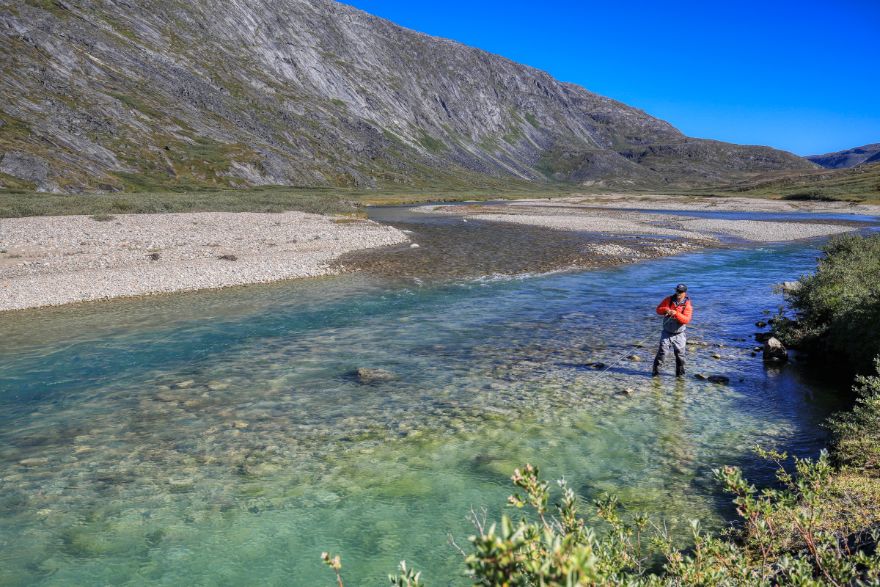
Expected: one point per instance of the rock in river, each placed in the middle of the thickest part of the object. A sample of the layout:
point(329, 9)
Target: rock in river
point(367, 375)
point(774, 351)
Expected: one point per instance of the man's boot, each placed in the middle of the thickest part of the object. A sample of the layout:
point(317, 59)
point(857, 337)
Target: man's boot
point(679, 370)
point(655, 372)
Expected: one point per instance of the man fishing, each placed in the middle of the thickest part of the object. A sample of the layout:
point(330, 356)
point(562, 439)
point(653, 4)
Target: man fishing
point(676, 311)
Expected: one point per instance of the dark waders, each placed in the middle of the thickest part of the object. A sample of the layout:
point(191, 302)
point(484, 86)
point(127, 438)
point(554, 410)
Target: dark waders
point(677, 342)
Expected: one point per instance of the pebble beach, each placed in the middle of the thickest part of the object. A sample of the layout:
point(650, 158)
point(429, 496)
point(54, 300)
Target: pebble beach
point(48, 261)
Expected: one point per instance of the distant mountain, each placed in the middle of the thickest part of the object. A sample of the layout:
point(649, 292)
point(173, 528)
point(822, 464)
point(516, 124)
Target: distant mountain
point(112, 95)
point(848, 158)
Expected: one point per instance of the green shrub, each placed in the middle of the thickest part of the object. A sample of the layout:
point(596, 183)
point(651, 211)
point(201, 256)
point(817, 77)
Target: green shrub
point(837, 308)
point(782, 539)
point(856, 441)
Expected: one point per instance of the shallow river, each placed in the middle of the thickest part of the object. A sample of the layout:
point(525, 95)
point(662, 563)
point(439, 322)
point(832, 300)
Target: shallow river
point(220, 438)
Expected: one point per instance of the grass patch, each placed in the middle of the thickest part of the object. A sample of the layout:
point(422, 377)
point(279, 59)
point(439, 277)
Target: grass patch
point(530, 118)
point(855, 184)
point(11, 183)
point(513, 136)
point(330, 201)
point(136, 103)
point(255, 200)
point(431, 144)
point(489, 143)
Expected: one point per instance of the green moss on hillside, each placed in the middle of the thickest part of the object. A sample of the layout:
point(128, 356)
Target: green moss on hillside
point(432, 144)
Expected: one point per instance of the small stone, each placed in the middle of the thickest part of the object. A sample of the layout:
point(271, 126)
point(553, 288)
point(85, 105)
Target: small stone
point(598, 366)
point(238, 424)
point(634, 358)
point(34, 462)
point(760, 324)
point(366, 375)
point(700, 376)
point(716, 356)
point(414, 246)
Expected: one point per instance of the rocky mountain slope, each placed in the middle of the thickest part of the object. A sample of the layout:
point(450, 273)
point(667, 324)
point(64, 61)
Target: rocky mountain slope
point(849, 157)
point(116, 95)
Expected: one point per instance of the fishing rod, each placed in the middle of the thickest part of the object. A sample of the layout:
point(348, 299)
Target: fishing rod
point(640, 344)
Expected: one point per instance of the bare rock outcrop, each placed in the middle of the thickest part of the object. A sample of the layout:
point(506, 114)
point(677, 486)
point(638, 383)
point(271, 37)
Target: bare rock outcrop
point(116, 95)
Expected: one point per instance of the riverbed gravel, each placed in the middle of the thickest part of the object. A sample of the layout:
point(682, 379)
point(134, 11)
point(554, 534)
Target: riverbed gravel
point(46, 261)
point(572, 214)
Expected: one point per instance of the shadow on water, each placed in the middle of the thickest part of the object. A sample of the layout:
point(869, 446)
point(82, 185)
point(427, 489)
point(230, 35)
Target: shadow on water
point(219, 437)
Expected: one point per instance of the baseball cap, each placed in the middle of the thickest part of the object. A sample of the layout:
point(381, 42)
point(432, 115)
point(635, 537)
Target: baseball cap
point(681, 287)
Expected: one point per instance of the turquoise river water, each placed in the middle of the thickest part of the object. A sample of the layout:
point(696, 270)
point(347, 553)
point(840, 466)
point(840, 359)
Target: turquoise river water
point(220, 438)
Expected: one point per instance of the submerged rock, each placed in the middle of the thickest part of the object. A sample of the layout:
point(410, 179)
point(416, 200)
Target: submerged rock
point(761, 324)
point(720, 379)
point(774, 351)
point(367, 375)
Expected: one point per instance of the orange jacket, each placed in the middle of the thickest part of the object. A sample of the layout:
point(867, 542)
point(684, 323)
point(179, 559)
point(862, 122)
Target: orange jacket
point(682, 313)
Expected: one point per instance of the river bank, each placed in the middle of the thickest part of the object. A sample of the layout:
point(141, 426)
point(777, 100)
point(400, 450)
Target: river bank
point(55, 260)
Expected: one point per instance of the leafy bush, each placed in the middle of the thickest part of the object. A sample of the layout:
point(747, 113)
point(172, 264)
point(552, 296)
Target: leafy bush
point(782, 539)
point(838, 307)
point(856, 439)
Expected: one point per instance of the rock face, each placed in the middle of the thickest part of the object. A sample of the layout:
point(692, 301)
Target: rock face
point(848, 158)
point(774, 351)
point(116, 95)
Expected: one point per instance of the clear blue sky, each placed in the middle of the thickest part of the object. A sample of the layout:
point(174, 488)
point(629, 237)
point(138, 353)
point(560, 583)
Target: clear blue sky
point(801, 76)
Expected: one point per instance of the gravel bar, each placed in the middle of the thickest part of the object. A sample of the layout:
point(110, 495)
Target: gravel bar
point(54, 260)
point(571, 214)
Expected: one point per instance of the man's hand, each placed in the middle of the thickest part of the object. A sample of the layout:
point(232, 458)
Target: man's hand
point(670, 312)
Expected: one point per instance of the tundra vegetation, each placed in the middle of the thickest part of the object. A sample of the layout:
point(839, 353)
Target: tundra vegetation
point(818, 525)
